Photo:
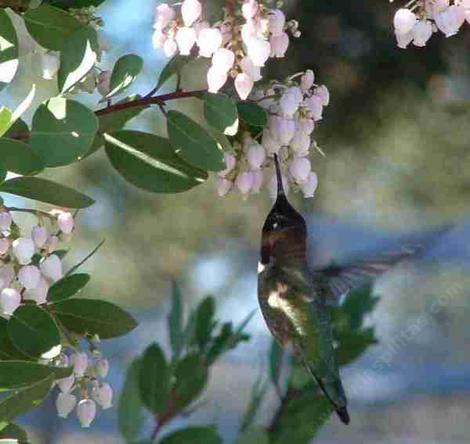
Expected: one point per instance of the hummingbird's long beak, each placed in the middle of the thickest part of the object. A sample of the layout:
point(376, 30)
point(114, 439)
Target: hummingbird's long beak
point(280, 187)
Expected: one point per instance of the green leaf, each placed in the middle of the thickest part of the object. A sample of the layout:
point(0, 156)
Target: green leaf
point(126, 69)
point(77, 58)
point(67, 287)
point(258, 392)
point(175, 321)
point(149, 162)
point(190, 379)
point(94, 317)
point(33, 331)
point(8, 50)
point(204, 321)
point(6, 116)
point(221, 113)
point(50, 26)
point(46, 191)
point(275, 362)
point(173, 67)
point(154, 379)
point(252, 114)
point(8, 351)
point(358, 304)
point(18, 157)
point(353, 344)
point(254, 435)
point(76, 4)
point(130, 409)
point(15, 432)
point(16, 374)
point(193, 435)
point(21, 401)
point(193, 143)
point(63, 131)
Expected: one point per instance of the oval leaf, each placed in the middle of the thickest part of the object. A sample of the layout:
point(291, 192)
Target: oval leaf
point(14, 374)
point(8, 50)
point(46, 191)
point(252, 114)
point(193, 435)
point(63, 131)
point(50, 26)
point(149, 162)
point(67, 287)
point(173, 67)
point(190, 379)
point(193, 143)
point(221, 113)
point(126, 69)
point(18, 157)
point(32, 330)
point(154, 379)
point(94, 317)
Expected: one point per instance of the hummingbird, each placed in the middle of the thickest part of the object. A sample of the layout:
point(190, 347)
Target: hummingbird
point(294, 297)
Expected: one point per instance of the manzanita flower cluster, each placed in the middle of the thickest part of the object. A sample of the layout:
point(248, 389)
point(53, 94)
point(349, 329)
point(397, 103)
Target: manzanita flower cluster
point(86, 388)
point(238, 46)
point(421, 18)
point(294, 109)
point(30, 262)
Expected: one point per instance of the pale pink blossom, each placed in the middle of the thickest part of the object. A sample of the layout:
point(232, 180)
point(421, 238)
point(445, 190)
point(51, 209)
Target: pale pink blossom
point(277, 20)
point(255, 155)
point(223, 59)
point(299, 169)
point(29, 276)
point(164, 14)
point(422, 32)
point(322, 92)
point(10, 300)
point(191, 11)
point(216, 78)
point(279, 44)
point(307, 80)
point(86, 412)
point(185, 39)
point(170, 47)
point(223, 186)
point(65, 403)
point(404, 21)
point(249, 68)
point(258, 51)
point(244, 182)
point(209, 40)
point(243, 85)
point(310, 185)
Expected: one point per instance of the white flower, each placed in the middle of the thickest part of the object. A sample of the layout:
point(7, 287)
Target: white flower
point(404, 21)
point(307, 80)
point(306, 126)
point(255, 155)
point(322, 92)
point(51, 267)
point(249, 9)
point(65, 403)
point(279, 44)
point(191, 11)
point(270, 143)
point(223, 59)
point(103, 395)
point(249, 68)
point(66, 384)
point(4, 246)
point(258, 51)
point(102, 367)
point(209, 40)
point(39, 234)
point(185, 38)
point(243, 85)
point(5, 220)
point(23, 249)
point(200, 26)
point(299, 169)
point(403, 40)
point(7, 274)
point(29, 276)
point(79, 361)
point(310, 185)
point(10, 300)
point(65, 222)
point(39, 293)
point(164, 15)
point(104, 83)
point(50, 64)
point(450, 20)
point(315, 106)
point(244, 182)
point(223, 186)
point(216, 78)
point(422, 32)
point(170, 47)
point(86, 411)
point(230, 162)
point(290, 101)
point(52, 243)
point(300, 143)
point(284, 130)
point(277, 20)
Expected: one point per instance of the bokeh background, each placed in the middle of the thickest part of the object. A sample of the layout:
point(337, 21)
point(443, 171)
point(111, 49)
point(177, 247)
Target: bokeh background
point(396, 138)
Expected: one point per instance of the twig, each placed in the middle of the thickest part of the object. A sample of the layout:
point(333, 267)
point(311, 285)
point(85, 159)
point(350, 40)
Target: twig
point(88, 256)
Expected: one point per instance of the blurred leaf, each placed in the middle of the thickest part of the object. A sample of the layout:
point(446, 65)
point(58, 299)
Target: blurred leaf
point(16, 374)
point(171, 68)
point(220, 342)
point(67, 287)
point(18, 157)
point(221, 113)
point(175, 321)
point(204, 321)
point(252, 114)
point(149, 162)
point(8, 50)
point(258, 392)
point(193, 435)
point(94, 317)
point(8, 351)
point(74, 3)
point(130, 409)
point(24, 400)
point(190, 379)
point(32, 330)
point(154, 379)
point(126, 69)
point(190, 329)
point(46, 191)
point(77, 57)
point(13, 431)
point(50, 26)
point(275, 362)
point(18, 129)
point(193, 143)
point(254, 435)
point(353, 344)
point(62, 131)
point(358, 304)
point(5, 118)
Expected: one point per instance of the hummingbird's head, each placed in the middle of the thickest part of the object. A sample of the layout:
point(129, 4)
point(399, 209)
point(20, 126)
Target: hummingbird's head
point(285, 230)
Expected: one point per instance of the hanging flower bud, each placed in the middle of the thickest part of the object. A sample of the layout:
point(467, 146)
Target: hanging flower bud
point(170, 47)
point(23, 249)
point(39, 293)
point(255, 155)
point(300, 143)
point(223, 59)
point(86, 412)
point(450, 20)
point(29, 276)
point(244, 182)
point(243, 85)
point(216, 79)
point(191, 11)
point(279, 44)
point(310, 185)
point(258, 51)
point(200, 26)
point(277, 20)
point(65, 403)
point(223, 186)
point(285, 130)
point(66, 384)
point(50, 64)
point(307, 80)
point(230, 162)
point(270, 144)
point(209, 40)
point(4, 246)
point(315, 106)
point(257, 181)
point(52, 243)
point(185, 38)
point(79, 361)
point(51, 267)
point(103, 395)
point(299, 169)
point(249, 9)
point(249, 68)
point(7, 274)
point(10, 300)
point(104, 83)
point(404, 21)
point(290, 101)
point(102, 367)
point(403, 40)
point(65, 222)
point(422, 32)
point(306, 126)
point(5, 221)
point(322, 92)
point(164, 15)
point(39, 235)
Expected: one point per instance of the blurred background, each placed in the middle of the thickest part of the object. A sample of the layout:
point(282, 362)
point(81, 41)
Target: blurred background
point(396, 138)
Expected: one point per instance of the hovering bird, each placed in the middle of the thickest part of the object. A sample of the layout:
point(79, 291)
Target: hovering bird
point(293, 296)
